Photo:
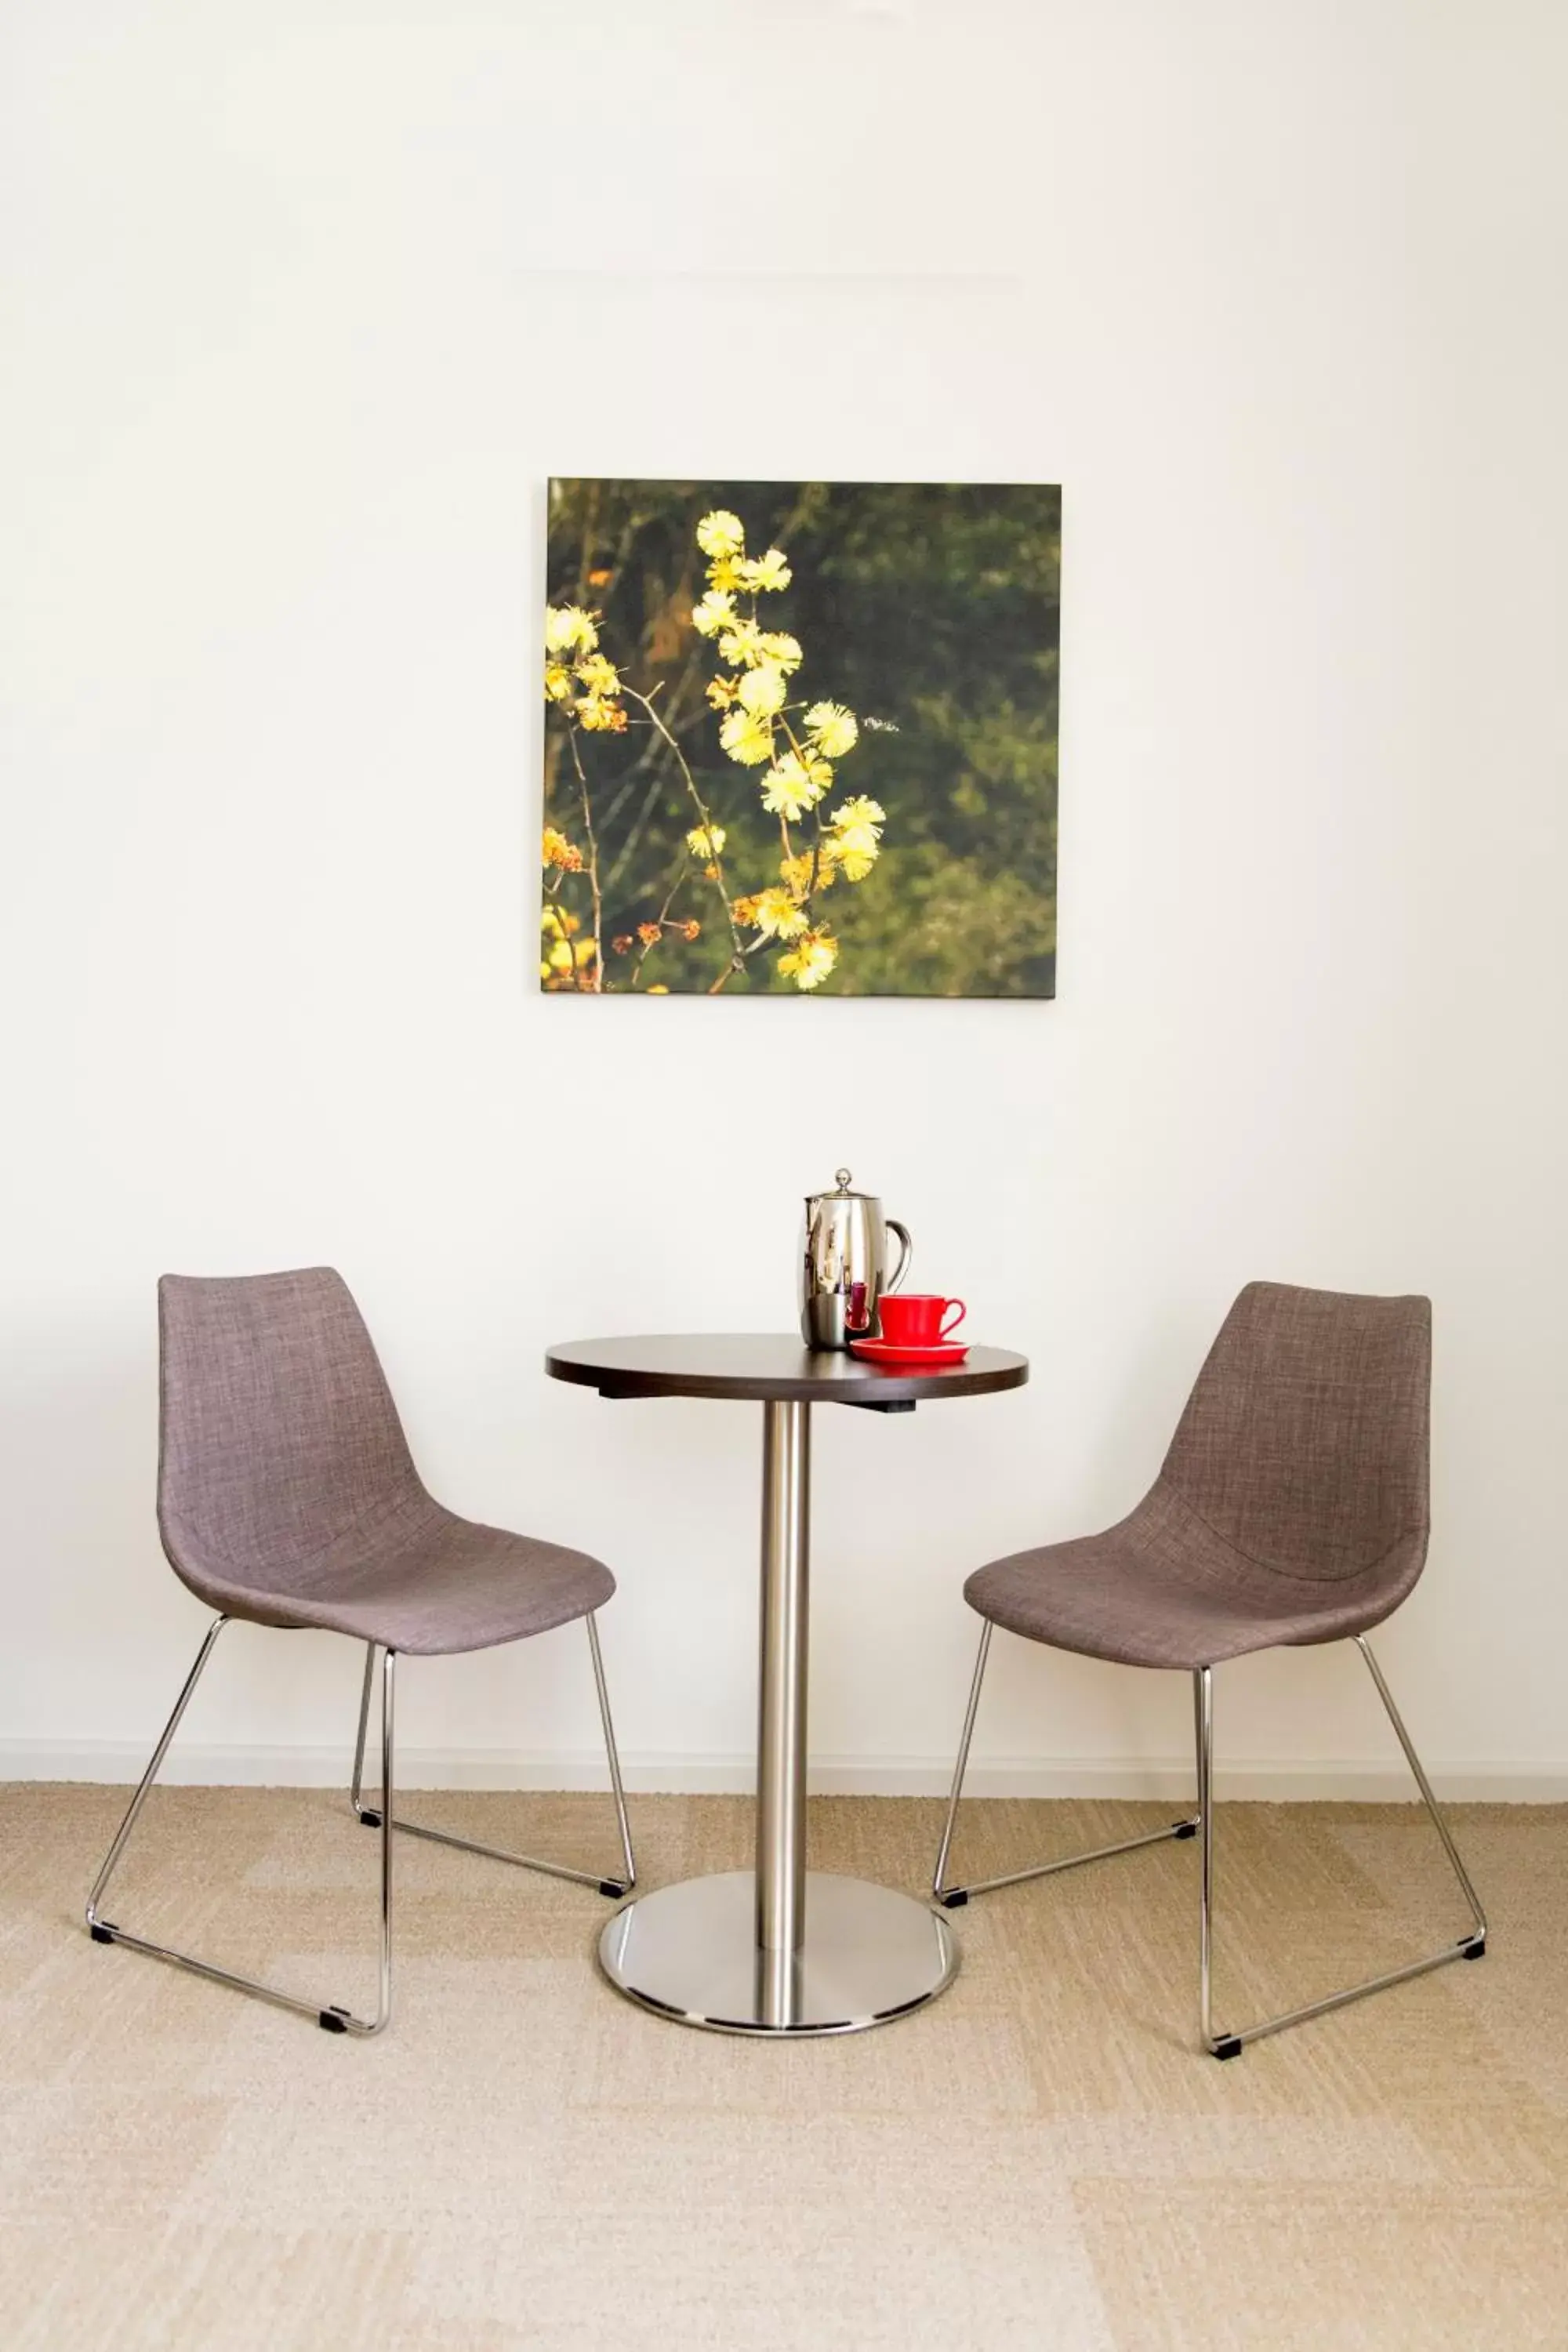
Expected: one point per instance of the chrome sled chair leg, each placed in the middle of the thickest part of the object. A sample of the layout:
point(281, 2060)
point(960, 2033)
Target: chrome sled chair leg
point(954, 1897)
point(1470, 1946)
point(374, 1816)
point(333, 2018)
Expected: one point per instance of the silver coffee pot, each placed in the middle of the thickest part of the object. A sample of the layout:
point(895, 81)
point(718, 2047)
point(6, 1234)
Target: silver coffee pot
point(844, 1265)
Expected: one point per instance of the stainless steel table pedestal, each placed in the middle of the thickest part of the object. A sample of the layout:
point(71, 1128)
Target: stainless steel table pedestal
point(690, 1952)
point(785, 1950)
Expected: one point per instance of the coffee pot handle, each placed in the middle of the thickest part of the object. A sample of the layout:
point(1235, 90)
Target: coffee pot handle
point(905, 1251)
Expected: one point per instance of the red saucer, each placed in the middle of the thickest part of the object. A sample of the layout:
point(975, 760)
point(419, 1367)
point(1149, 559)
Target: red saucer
point(932, 1351)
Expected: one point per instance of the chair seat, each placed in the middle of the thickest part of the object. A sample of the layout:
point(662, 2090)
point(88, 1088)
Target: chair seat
point(419, 1579)
point(1163, 1588)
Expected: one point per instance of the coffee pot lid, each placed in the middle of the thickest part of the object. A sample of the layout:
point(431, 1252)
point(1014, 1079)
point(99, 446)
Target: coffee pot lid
point(842, 1179)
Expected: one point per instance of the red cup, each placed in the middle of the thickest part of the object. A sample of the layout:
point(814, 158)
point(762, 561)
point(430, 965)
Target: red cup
point(914, 1320)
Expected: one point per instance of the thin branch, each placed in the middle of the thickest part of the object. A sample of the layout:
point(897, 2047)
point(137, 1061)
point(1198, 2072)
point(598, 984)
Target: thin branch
point(649, 945)
point(655, 755)
point(817, 819)
point(707, 822)
point(592, 868)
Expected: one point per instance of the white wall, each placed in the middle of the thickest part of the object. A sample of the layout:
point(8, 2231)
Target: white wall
point(306, 299)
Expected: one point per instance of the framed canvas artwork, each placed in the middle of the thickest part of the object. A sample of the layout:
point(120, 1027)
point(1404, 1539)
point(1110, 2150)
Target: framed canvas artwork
point(800, 739)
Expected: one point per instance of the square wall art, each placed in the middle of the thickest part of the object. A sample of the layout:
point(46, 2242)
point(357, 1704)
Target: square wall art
point(800, 739)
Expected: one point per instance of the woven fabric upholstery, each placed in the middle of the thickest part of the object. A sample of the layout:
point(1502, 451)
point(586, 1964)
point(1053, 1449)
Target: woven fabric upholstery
point(287, 1493)
point(1292, 1508)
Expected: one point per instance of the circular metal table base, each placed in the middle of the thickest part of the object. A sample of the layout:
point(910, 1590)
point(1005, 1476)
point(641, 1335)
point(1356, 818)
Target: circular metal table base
point(690, 1952)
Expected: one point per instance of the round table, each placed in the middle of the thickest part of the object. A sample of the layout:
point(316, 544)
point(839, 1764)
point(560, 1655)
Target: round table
point(780, 1950)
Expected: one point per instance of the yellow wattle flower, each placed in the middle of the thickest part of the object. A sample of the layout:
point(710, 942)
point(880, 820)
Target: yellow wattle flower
point(746, 738)
point(835, 729)
point(779, 915)
point(598, 676)
point(789, 788)
point(859, 809)
point(805, 779)
point(713, 612)
point(559, 851)
point(778, 646)
point(601, 717)
point(763, 690)
point(557, 682)
point(858, 840)
point(721, 533)
point(722, 692)
point(723, 573)
point(567, 626)
point(810, 959)
point(857, 836)
point(706, 840)
point(855, 863)
point(765, 571)
point(740, 644)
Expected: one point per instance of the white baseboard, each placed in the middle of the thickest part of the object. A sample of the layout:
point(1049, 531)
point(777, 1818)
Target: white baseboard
point(1277, 1780)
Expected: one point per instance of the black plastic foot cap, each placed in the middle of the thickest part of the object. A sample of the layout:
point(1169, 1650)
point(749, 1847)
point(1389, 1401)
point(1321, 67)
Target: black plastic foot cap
point(1227, 2046)
point(100, 1934)
point(372, 1820)
point(1474, 1947)
point(956, 1900)
point(612, 1887)
point(1183, 1829)
point(333, 2021)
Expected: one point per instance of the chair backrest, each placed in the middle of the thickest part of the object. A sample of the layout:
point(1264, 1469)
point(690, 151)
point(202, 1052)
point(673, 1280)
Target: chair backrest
point(277, 1431)
point(1305, 1441)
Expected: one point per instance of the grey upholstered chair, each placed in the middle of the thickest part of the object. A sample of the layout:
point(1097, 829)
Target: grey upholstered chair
point(287, 1496)
point(1292, 1509)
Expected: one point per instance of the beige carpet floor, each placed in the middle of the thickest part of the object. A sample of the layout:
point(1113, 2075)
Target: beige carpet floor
point(1039, 2160)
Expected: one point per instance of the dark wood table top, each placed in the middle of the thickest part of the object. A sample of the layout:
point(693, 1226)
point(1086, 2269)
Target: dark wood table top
point(771, 1365)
